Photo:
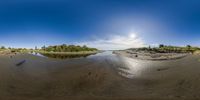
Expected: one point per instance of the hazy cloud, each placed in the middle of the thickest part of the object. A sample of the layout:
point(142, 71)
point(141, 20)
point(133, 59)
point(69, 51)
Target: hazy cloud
point(116, 42)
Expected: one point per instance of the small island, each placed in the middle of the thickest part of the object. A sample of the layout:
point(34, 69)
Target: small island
point(163, 52)
point(64, 51)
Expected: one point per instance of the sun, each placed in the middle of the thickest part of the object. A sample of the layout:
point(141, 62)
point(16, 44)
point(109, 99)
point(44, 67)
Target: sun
point(132, 35)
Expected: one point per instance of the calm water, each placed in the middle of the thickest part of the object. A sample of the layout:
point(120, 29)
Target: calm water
point(126, 67)
point(60, 56)
point(104, 74)
point(37, 54)
point(132, 68)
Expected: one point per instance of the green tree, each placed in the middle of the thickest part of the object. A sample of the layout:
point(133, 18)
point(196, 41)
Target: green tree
point(188, 47)
point(35, 47)
point(67, 48)
point(44, 48)
point(161, 45)
point(3, 47)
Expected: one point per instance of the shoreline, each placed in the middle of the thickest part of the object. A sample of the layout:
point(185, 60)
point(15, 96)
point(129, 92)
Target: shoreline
point(99, 77)
point(68, 53)
point(7, 53)
point(150, 56)
point(45, 52)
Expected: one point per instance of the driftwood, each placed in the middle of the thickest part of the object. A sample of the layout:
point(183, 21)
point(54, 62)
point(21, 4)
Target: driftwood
point(161, 69)
point(21, 62)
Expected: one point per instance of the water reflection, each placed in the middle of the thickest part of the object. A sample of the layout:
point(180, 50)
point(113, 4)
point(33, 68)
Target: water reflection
point(131, 67)
point(37, 54)
point(126, 67)
point(65, 56)
point(61, 56)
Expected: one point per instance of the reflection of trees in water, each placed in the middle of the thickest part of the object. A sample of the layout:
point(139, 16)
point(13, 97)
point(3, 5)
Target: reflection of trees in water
point(65, 56)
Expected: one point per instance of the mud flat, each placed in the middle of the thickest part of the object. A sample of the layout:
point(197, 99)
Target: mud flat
point(103, 76)
point(150, 56)
point(7, 53)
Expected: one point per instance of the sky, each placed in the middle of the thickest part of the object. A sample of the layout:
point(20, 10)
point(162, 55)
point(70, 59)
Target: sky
point(103, 24)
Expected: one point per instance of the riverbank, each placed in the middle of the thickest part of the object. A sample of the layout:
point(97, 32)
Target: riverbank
point(98, 77)
point(41, 78)
point(66, 55)
point(149, 55)
point(69, 53)
point(7, 53)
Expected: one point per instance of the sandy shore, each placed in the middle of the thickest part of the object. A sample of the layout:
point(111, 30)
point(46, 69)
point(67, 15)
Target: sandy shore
point(97, 78)
point(7, 53)
point(70, 53)
point(150, 56)
point(49, 79)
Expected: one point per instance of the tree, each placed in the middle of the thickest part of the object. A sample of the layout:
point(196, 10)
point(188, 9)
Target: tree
point(161, 46)
point(188, 47)
point(3, 47)
point(44, 48)
point(65, 48)
point(35, 47)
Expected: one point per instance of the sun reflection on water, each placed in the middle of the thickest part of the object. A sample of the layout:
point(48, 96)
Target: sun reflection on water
point(131, 67)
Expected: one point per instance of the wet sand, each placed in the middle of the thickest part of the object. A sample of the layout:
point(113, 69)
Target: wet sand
point(100, 77)
point(147, 55)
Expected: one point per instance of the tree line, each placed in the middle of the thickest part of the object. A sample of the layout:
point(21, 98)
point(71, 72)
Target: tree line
point(54, 48)
point(66, 48)
point(171, 49)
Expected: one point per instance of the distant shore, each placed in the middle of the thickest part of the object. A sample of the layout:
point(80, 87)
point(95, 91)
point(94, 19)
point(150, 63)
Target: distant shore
point(7, 53)
point(10, 53)
point(69, 53)
point(150, 56)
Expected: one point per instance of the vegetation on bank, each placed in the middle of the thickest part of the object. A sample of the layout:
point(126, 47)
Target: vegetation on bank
point(9, 49)
point(169, 49)
point(67, 49)
point(68, 53)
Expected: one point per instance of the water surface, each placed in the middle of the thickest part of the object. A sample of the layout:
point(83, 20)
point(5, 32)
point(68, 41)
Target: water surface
point(101, 76)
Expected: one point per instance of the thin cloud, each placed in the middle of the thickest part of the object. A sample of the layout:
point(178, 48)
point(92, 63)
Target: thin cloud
point(116, 42)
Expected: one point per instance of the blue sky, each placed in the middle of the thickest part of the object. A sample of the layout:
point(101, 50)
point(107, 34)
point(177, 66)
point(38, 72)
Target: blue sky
point(104, 24)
